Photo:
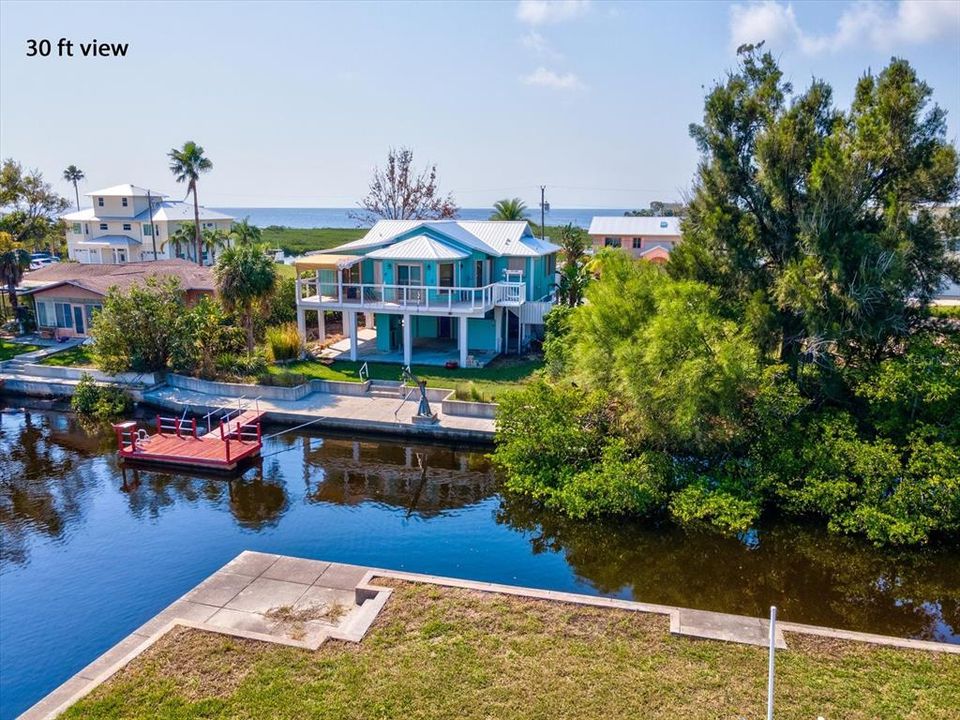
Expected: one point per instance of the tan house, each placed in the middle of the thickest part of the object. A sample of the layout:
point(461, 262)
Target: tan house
point(66, 295)
point(650, 238)
point(133, 224)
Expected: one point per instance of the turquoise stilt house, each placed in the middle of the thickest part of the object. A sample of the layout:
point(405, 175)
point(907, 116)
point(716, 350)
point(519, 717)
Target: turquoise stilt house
point(432, 291)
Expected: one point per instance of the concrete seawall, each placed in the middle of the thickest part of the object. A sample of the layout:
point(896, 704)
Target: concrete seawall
point(363, 406)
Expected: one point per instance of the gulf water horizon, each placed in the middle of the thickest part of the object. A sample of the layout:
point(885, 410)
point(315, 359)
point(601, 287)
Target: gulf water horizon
point(317, 217)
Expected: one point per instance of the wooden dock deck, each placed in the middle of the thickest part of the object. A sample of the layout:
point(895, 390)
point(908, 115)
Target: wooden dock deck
point(177, 442)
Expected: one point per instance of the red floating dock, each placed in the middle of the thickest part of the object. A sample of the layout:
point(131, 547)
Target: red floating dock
point(176, 442)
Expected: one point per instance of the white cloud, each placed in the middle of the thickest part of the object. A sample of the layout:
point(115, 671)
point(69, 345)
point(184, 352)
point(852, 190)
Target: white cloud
point(541, 12)
point(883, 26)
point(537, 43)
point(548, 78)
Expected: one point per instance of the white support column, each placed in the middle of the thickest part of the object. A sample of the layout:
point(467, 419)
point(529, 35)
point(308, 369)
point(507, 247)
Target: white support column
point(407, 340)
point(498, 324)
point(350, 318)
point(302, 322)
point(368, 320)
point(463, 341)
point(321, 326)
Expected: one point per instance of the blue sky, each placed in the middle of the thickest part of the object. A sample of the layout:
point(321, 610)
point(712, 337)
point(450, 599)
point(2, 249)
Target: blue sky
point(296, 102)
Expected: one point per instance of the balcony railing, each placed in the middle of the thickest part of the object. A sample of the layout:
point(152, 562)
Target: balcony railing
point(417, 298)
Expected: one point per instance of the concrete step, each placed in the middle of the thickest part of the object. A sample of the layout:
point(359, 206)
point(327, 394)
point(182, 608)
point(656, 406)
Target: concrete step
point(397, 392)
point(386, 389)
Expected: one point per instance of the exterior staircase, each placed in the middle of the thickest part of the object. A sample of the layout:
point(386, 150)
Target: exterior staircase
point(14, 366)
point(386, 389)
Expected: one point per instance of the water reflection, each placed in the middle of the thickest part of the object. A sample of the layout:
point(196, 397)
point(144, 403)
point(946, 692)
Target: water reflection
point(53, 470)
point(41, 486)
point(811, 576)
point(423, 480)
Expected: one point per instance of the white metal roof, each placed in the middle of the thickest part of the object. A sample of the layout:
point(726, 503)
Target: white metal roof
point(419, 247)
point(124, 190)
point(623, 225)
point(179, 210)
point(85, 214)
point(487, 236)
point(163, 210)
point(108, 240)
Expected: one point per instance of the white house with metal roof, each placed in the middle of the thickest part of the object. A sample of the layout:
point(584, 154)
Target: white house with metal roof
point(650, 238)
point(432, 291)
point(127, 223)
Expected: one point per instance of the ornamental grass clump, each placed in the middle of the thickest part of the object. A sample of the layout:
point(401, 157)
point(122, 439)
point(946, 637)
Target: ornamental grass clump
point(284, 342)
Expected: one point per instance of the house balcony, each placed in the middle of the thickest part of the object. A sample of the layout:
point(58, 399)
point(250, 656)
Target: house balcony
point(409, 299)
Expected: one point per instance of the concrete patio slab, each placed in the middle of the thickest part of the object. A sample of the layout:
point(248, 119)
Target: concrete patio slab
point(239, 620)
point(731, 628)
point(327, 598)
point(296, 570)
point(219, 589)
point(249, 563)
point(343, 577)
point(264, 594)
point(182, 610)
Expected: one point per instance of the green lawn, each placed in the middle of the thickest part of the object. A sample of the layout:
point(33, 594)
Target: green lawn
point(448, 653)
point(77, 356)
point(9, 349)
point(296, 241)
point(471, 383)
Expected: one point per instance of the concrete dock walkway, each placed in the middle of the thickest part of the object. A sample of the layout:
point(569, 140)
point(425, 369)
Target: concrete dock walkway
point(365, 413)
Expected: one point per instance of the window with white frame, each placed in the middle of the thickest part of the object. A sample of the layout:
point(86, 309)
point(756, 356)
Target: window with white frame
point(103, 226)
point(99, 202)
point(42, 314)
point(77, 230)
point(127, 226)
point(123, 201)
point(64, 315)
point(637, 243)
point(148, 229)
point(611, 242)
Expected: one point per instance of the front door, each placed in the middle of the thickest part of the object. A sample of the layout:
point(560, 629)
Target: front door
point(445, 271)
point(78, 319)
point(410, 275)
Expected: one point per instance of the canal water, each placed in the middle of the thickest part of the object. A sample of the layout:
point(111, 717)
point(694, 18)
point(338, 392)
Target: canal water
point(90, 552)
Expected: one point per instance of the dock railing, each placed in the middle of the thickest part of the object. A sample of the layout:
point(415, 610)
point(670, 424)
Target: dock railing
point(176, 426)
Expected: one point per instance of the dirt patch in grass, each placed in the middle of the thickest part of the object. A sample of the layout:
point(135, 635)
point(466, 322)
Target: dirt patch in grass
point(440, 652)
point(294, 620)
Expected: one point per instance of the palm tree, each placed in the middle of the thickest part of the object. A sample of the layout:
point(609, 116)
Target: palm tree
point(574, 268)
point(509, 209)
point(182, 237)
point(186, 164)
point(243, 233)
point(214, 239)
point(14, 260)
point(74, 174)
point(244, 277)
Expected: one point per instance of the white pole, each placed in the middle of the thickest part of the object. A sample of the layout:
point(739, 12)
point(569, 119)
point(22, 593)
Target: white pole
point(773, 647)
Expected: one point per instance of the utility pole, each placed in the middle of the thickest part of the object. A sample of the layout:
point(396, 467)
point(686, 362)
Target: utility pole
point(543, 207)
point(153, 228)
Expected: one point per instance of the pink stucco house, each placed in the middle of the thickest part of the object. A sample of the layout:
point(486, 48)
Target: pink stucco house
point(650, 238)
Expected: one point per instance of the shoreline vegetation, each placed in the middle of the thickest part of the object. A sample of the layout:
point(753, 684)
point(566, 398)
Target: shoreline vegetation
point(785, 360)
point(437, 652)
